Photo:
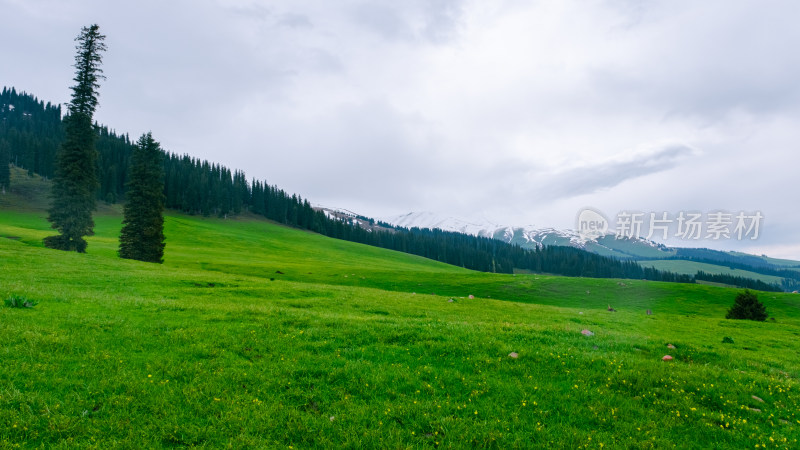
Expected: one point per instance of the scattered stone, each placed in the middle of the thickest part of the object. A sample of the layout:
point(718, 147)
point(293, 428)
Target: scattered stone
point(595, 347)
point(649, 313)
point(758, 399)
point(754, 409)
point(333, 418)
point(587, 333)
point(471, 297)
point(413, 293)
point(451, 301)
point(513, 355)
point(621, 284)
point(588, 292)
point(581, 313)
point(670, 346)
point(666, 358)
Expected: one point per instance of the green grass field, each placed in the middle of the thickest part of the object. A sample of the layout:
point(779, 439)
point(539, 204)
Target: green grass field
point(360, 347)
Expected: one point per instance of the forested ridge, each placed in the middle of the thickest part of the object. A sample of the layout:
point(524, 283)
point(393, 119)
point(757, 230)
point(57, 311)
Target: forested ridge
point(33, 131)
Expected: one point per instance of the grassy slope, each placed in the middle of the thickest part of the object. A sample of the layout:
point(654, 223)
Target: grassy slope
point(788, 263)
point(348, 347)
point(627, 248)
point(692, 267)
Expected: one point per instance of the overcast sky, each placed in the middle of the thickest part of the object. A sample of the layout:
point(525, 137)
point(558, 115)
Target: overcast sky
point(520, 112)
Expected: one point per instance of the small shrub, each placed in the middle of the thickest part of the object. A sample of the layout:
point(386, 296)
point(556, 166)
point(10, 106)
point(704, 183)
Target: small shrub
point(727, 340)
point(18, 301)
point(747, 307)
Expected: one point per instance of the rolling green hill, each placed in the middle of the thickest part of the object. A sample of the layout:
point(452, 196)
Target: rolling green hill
point(253, 335)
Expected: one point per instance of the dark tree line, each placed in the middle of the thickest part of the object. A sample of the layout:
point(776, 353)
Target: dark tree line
point(195, 186)
point(723, 258)
point(31, 131)
point(5, 172)
point(737, 281)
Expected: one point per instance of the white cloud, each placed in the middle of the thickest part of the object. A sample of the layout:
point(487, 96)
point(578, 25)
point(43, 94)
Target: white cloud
point(520, 111)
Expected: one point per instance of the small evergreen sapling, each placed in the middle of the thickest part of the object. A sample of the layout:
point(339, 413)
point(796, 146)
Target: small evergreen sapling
point(747, 307)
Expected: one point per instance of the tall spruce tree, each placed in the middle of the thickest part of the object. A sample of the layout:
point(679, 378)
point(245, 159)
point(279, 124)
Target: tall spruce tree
point(75, 180)
point(5, 173)
point(142, 236)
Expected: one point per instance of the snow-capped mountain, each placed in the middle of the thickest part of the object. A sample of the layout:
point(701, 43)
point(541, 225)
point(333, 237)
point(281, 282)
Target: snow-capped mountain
point(531, 237)
point(527, 234)
point(446, 223)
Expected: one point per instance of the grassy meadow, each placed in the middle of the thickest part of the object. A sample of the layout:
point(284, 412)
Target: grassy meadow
point(254, 335)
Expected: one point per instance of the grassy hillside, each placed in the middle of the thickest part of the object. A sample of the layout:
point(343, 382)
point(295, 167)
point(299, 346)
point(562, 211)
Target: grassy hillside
point(692, 267)
point(361, 347)
point(787, 263)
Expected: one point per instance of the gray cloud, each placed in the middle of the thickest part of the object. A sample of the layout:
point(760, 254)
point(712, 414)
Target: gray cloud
point(428, 21)
point(518, 110)
point(383, 19)
point(293, 20)
point(587, 179)
point(706, 59)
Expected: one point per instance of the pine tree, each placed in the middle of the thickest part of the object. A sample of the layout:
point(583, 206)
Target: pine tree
point(142, 236)
point(75, 180)
point(746, 306)
point(5, 173)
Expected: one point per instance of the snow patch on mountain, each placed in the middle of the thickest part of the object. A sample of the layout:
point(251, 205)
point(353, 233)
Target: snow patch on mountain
point(529, 235)
point(445, 223)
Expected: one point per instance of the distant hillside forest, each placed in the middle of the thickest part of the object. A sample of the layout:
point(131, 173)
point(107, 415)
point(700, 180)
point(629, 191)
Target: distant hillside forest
point(31, 132)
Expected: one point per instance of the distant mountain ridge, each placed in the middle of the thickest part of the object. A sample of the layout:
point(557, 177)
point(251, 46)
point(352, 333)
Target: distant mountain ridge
point(531, 237)
point(643, 251)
